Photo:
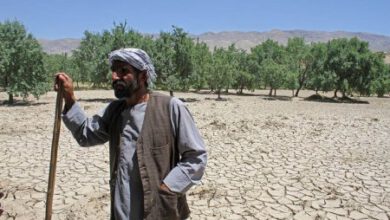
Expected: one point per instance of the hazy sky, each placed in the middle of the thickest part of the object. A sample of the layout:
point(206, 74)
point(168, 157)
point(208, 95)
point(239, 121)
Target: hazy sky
point(53, 19)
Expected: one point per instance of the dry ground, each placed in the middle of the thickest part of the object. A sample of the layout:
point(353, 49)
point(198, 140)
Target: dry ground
point(268, 159)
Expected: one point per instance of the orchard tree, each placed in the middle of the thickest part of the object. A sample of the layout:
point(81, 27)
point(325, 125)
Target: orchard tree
point(300, 61)
point(92, 58)
point(163, 61)
point(291, 82)
point(243, 77)
point(267, 51)
point(274, 75)
point(318, 79)
point(233, 59)
point(55, 63)
point(182, 58)
point(21, 62)
point(221, 71)
point(369, 68)
point(380, 74)
point(381, 85)
point(345, 58)
point(272, 63)
point(123, 37)
point(201, 57)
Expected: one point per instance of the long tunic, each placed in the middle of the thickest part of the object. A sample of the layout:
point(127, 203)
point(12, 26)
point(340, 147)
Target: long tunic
point(128, 194)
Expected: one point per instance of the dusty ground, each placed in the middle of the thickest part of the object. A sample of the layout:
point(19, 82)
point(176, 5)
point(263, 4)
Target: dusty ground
point(268, 159)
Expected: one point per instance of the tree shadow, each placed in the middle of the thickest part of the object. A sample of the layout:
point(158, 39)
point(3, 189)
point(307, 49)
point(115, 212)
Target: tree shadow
point(320, 98)
point(203, 92)
point(218, 99)
point(247, 94)
point(264, 96)
point(383, 97)
point(103, 100)
point(276, 98)
point(22, 103)
point(188, 99)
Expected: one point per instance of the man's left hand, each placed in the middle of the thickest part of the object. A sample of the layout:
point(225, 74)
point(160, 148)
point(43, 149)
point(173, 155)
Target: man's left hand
point(165, 188)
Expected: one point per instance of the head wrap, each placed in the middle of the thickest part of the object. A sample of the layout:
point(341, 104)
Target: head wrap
point(138, 58)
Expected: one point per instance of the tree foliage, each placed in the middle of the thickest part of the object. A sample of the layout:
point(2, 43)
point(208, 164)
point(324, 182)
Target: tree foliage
point(346, 59)
point(22, 69)
point(183, 63)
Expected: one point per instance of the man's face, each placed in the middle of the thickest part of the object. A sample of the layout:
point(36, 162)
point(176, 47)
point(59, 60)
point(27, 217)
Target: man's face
point(124, 79)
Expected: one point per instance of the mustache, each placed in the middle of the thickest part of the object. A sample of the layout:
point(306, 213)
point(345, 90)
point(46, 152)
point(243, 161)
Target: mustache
point(119, 82)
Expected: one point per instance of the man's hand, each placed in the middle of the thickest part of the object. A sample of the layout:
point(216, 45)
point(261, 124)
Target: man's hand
point(67, 84)
point(165, 188)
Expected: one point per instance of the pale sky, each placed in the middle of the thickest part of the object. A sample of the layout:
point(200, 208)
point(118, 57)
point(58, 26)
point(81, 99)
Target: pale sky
point(55, 19)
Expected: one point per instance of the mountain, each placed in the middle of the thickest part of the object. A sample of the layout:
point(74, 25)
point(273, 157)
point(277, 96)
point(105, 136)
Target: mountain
point(246, 40)
point(59, 46)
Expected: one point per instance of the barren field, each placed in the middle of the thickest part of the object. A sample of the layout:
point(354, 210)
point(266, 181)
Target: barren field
point(268, 159)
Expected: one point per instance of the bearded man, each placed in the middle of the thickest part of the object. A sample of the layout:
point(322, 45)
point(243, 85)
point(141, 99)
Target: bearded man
point(156, 151)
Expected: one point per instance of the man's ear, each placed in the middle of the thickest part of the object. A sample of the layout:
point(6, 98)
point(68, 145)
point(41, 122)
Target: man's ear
point(143, 77)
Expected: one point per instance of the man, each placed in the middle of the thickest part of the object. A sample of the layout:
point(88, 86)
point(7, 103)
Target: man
point(156, 152)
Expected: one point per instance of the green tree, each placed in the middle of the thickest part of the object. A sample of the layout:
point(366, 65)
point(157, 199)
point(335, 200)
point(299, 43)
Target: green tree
point(91, 58)
point(163, 61)
point(123, 37)
point(345, 59)
point(183, 47)
point(274, 75)
point(318, 78)
point(380, 73)
point(300, 61)
point(233, 62)
point(243, 77)
point(61, 63)
point(291, 82)
point(21, 62)
point(221, 70)
point(201, 57)
point(271, 60)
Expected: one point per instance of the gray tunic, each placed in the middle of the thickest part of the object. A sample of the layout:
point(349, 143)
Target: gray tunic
point(128, 194)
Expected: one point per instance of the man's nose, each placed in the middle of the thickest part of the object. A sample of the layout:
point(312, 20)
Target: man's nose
point(114, 76)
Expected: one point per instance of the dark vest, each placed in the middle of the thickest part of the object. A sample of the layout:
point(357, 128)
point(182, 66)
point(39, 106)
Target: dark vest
point(157, 154)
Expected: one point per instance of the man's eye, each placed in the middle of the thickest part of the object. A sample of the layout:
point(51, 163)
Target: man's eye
point(124, 70)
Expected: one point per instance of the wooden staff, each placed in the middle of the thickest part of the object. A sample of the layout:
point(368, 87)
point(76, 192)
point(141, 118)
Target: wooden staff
point(54, 150)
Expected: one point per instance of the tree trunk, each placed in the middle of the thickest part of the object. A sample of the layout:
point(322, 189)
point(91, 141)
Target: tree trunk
point(297, 91)
point(270, 92)
point(171, 93)
point(10, 99)
point(219, 94)
point(335, 94)
point(343, 94)
point(241, 89)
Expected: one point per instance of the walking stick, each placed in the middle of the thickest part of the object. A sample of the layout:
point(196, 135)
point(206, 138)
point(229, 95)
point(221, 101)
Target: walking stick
point(54, 150)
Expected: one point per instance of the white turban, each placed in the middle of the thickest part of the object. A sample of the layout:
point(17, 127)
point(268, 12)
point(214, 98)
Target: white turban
point(138, 59)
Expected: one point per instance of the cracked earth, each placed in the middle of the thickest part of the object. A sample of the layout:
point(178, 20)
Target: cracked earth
point(268, 159)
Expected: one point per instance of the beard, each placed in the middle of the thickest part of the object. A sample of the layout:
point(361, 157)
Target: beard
point(123, 89)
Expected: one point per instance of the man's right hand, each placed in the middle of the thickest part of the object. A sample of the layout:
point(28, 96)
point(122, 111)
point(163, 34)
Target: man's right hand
point(67, 83)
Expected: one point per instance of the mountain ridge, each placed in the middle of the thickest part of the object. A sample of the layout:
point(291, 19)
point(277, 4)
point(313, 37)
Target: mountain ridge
point(246, 40)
